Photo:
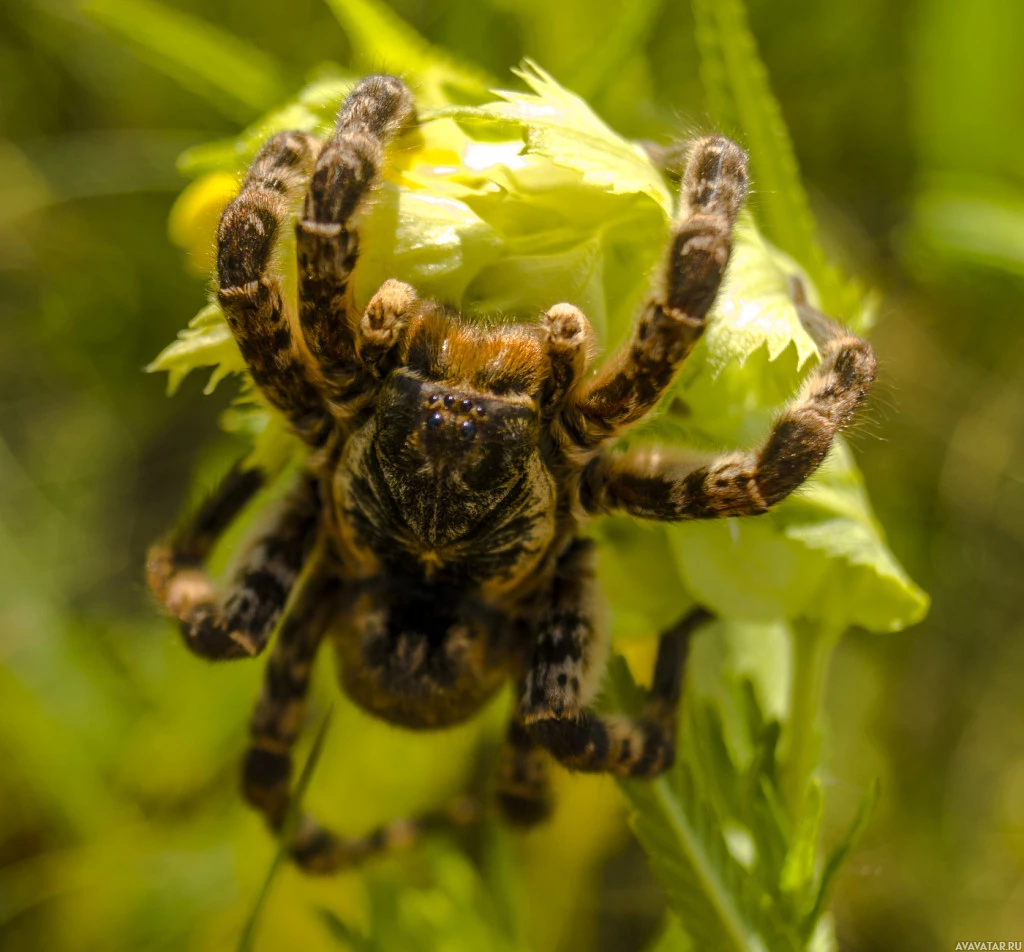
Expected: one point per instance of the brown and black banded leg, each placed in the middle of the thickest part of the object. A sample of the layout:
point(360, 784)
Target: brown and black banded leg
point(278, 717)
point(568, 343)
point(250, 288)
point(383, 326)
point(651, 484)
point(571, 646)
point(524, 788)
point(641, 747)
point(672, 320)
point(238, 622)
point(320, 852)
point(375, 111)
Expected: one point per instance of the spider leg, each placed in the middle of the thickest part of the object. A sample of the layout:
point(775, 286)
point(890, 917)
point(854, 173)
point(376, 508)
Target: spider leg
point(251, 292)
point(384, 326)
point(568, 341)
point(628, 747)
point(571, 646)
point(672, 320)
point(327, 243)
point(278, 717)
point(320, 852)
point(524, 789)
point(562, 680)
point(650, 484)
point(238, 622)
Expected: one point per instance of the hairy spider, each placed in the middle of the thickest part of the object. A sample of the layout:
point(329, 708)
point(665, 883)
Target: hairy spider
point(435, 533)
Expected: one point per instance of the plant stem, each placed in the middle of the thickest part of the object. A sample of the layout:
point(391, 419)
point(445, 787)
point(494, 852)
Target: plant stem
point(813, 644)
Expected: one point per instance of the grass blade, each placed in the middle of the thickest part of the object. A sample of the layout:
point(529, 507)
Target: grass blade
point(382, 39)
point(741, 102)
point(229, 73)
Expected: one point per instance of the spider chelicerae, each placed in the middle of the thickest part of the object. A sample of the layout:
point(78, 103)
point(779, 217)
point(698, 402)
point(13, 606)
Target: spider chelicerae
point(435, 533)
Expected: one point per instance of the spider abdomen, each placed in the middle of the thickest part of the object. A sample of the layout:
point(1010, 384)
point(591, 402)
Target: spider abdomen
point(422, 654)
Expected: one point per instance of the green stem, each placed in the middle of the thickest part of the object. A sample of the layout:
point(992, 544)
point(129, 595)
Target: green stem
point(812, 650)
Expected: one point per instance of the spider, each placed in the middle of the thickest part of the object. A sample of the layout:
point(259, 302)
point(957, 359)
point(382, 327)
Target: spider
point(435, 533)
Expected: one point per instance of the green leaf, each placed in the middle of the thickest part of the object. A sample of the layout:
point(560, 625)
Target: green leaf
point(206, 342)
point(706, 887)
point(779, 577)
point(738, 872)
point(436, 243)
point(812, 647)
point(645, 590)
point(820, 554)
point(274, 446)
point(798, 870)
point(754, 308)
point(710, 865)
point(837, 857)
point(864, 585)
point(562, 126)
point(673, 938)
point(229, 73)
point(451, 912)
point(743, 669)
point(741, 102)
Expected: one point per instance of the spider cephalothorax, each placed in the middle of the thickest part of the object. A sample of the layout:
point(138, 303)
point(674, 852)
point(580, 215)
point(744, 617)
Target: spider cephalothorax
point(437, 526)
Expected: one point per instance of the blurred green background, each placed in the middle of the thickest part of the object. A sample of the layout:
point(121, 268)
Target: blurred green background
point(120, 824)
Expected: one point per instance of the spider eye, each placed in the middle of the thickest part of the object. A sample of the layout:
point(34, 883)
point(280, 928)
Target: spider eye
point(435, 419)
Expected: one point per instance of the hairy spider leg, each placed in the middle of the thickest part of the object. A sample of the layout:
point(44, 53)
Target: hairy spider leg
point(651, 484)
point(568, 345)
point(376, 110)
point(628, 747)
point(524, 787)
point(571, 645)
point(672, 320)
point(278, 717)
point(319, 851)
point(384, 326)
point(238, 621)
point(251, 290)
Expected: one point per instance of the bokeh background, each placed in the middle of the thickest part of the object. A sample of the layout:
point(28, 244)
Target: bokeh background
point(120, 825)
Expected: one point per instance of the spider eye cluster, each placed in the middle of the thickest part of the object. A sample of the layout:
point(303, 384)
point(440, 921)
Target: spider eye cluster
point(465, 412)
